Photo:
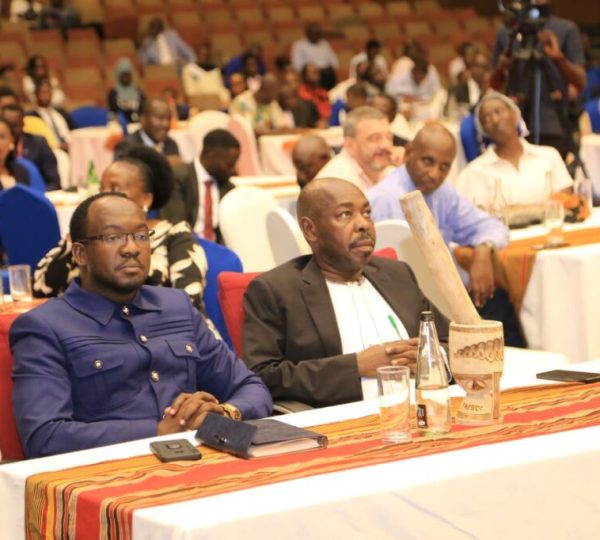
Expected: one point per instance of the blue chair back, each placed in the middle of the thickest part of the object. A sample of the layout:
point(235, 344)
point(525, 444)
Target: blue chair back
point(28, 225)
point(36, 181)
point(592, 84)
point(122, 119)
point(89, 116)
point(219, 259)
point(468, 137)
point(593, 109)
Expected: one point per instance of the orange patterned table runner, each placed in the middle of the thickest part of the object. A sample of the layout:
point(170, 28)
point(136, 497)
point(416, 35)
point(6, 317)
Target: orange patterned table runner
point(97, 501)
point(513, 264)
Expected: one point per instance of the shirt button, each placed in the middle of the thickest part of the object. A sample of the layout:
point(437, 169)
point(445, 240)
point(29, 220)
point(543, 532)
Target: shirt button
point(143, 339)
point(125, 311)
point(155, 376)
point(189, 348)
point(98, 364)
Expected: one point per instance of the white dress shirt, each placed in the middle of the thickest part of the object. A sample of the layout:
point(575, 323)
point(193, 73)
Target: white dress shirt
point(320, 53)
point(202, 177)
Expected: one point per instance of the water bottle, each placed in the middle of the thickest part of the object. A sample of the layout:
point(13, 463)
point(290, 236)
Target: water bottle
point(93, 183)
point(433, 399)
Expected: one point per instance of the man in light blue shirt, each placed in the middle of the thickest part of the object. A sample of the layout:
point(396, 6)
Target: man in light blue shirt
point(427, 162)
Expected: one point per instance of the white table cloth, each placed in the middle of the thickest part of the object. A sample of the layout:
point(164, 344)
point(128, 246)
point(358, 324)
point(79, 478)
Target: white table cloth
point(368, 501)
point(561, 306)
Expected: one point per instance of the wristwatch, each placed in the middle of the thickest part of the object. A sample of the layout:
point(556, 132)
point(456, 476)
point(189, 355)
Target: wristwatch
point(231, 411)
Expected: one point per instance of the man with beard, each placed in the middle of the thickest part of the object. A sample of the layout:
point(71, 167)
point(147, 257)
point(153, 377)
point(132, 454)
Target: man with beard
point(368, 154)
point(201, 184)
point(115, 360)
point(317, 324)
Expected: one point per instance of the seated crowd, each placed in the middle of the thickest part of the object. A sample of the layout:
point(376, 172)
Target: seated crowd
point(118, 353)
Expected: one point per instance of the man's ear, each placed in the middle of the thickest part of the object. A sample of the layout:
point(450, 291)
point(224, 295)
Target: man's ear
point(307, 225)
point(79, 254)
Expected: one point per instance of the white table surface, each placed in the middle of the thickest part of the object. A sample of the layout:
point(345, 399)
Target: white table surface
point(366, 502)
point(561, 306)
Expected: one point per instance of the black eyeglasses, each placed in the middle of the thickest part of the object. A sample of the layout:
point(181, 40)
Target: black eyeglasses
point(119, 239)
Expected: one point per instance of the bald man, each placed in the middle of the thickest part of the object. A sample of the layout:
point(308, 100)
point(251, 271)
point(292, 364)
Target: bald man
point(317, 325)
point(427, 162)
point(310, 155)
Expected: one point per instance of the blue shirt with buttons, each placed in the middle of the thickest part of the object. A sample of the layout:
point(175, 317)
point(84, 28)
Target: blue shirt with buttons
point(89, 372)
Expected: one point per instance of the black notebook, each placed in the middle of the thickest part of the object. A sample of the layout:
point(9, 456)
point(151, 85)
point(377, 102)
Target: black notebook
point(257, 438)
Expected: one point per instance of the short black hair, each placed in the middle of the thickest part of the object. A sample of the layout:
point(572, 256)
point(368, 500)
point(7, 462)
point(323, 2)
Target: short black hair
point(373, 44)
point(219, 139)
point(149, 102)
point(8, 91)
point(13, 107)
point(155, 169)
point(78, 223)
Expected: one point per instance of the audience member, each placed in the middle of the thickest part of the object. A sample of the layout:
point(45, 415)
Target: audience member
point(367, 153)
point(470, 86)
point(126, 97)
point(11, 172)
point(59, 14)
point(261, 107)
point(204, 59)
point(528, 173)
point(32, 147)
point(250, 70)
point(114, 359)
point(356, 96)
point(236, 64)
point(303, 112)
point(371, 54)
point(460, 63)
point(388, 106)
point(200, 185)
point(419, 85)
point(8, 96)
point(176, 259)
point(310, 154)
point(318, 323)
point(560, 41)
point(36, 70)
point(311, 90)
point(338, 92)
point(313, 48)
point(164, 46)
point(56, 118)
point(237, 84)
point(155, 123)
point(375, 79)
point(25, 10)
point(427, 162)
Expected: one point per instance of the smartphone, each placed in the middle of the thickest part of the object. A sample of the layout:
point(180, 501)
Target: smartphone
point(569, 376)
point(176, 450)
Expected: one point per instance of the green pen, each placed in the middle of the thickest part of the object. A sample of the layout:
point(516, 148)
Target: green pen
point(394, 325)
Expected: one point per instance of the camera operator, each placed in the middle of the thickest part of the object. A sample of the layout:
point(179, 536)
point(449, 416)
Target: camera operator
point(563, 61)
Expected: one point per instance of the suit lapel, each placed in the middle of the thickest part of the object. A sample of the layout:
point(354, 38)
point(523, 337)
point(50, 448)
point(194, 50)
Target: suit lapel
point(318, 303)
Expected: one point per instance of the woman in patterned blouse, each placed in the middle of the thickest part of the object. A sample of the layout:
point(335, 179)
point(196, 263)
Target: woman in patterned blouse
point(177, 260)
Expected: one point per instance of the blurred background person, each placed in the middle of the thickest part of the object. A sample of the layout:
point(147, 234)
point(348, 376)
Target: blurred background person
point(126, 97)
point(310, 154)
point(11, 172)
point(37, 69)
point(311, 90)
point(371, 54)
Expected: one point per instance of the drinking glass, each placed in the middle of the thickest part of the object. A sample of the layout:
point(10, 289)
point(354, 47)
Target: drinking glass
point(393, 386)
point(19, 278)
point(554, 217)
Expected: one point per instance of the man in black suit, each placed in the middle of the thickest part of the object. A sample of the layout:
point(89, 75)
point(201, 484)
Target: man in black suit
point(317, 324)
point(200, 185)
point(32, 147)
point(155, 122)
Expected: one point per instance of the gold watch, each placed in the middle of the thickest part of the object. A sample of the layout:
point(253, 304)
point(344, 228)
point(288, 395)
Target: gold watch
point(231, 411)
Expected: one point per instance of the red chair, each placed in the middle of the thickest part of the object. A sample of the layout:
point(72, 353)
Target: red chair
point(10, 444)
point(232, 287)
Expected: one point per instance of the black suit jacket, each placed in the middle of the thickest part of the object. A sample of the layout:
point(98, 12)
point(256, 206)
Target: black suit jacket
point(291, 339)
point(170, 147)
point(185, 199)
point(36, 149)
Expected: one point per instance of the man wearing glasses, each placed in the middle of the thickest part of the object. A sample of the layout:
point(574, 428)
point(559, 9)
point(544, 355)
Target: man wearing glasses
point(115, 360)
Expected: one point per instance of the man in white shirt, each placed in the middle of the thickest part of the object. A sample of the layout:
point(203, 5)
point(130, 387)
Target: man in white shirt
point(316, 50)
point(368, 153)
point(372, 53)
point(57, 120)
point(528, 174)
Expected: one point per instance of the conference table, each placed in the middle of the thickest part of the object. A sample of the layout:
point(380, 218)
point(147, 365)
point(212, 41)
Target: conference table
point(561, 305)
point(489, 482)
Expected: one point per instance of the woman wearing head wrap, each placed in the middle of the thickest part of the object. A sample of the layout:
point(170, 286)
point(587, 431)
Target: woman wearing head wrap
point(125, 97)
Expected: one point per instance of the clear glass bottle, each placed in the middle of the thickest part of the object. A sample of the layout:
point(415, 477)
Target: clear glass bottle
point(432, 396)
point(92, 181)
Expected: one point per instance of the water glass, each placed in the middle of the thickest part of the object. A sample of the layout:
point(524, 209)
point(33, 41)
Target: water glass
point(554, 217)
point(19, 278)
point(393, 388)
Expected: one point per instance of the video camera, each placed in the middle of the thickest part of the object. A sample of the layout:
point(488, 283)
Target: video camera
point(524, 17)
